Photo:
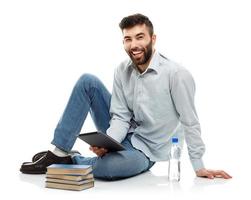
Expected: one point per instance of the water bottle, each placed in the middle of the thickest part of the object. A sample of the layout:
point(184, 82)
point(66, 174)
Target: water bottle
point(174, 161)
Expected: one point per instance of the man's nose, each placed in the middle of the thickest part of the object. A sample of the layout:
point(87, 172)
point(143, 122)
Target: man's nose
point(134, 44)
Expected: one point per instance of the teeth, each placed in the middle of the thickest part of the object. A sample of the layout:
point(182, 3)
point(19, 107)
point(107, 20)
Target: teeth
point(136, 52)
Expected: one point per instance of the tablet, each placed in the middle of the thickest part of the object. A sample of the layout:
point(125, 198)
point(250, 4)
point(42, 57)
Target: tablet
point(102, 140)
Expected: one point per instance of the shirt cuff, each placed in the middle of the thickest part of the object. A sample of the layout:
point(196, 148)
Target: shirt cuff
point(197, 164)
point(118, 130)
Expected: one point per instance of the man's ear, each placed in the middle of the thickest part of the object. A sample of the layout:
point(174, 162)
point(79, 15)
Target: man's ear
point(154, 39)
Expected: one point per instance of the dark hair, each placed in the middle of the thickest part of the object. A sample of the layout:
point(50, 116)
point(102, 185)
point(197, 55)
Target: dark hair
point(136, 19)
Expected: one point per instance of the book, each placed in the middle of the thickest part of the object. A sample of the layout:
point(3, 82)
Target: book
point(69, 186)
point(70, 177)
point(54, 180)
point(69, 169)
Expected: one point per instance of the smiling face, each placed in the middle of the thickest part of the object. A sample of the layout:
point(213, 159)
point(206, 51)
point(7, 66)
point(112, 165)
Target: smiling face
point(139, 44)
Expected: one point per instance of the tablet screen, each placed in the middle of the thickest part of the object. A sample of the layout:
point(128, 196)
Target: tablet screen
point(101, 140)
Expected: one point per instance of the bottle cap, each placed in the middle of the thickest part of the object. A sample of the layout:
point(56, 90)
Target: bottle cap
point(175, 140)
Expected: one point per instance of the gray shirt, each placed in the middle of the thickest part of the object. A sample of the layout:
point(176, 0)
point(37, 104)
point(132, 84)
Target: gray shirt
point(156, 105)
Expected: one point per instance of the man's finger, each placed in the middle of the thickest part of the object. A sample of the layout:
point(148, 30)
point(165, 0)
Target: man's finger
point(204, 173)
point(210, 175)
point(104, 150)
point(92, 148)
point(221, 174)
point(227, 175)
point(98, 151)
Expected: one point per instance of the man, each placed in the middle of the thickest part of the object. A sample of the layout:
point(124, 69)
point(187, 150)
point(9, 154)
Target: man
point(152, 101)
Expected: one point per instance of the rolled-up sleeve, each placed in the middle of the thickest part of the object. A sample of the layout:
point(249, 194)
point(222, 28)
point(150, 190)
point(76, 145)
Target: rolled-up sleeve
point(120, 114)
point(183, 91)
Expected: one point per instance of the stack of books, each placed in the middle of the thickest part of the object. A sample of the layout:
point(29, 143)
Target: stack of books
point(69, 177)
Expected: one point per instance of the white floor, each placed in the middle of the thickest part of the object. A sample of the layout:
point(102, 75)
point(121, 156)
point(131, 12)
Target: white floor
point(150, 185)
point(232, 157)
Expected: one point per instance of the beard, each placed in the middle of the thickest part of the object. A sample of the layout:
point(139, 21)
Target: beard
point(144, 58)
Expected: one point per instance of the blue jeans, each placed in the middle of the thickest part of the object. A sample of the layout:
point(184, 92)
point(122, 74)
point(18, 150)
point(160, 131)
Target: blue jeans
point(90, 95)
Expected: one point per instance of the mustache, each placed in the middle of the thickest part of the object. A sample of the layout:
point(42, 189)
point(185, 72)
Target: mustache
point(136, 49)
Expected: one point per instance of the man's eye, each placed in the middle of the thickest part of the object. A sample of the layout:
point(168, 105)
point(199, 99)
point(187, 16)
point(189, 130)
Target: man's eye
point(140, 37)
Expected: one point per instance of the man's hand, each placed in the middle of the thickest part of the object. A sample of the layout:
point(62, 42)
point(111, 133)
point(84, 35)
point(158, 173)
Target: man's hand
point(98, 151)
point(211, 174)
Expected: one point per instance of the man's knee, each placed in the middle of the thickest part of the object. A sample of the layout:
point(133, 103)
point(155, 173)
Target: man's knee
point(87, 78)
point(86, 81)
point(118, 167)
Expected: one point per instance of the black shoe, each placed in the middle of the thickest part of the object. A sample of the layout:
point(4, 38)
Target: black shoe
point(40, 166)
point(39, 155)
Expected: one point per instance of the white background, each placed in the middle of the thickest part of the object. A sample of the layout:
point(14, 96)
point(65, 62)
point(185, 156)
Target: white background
point(46, 45)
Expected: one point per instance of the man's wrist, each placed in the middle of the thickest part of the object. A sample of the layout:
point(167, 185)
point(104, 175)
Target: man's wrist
point(197, 164)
